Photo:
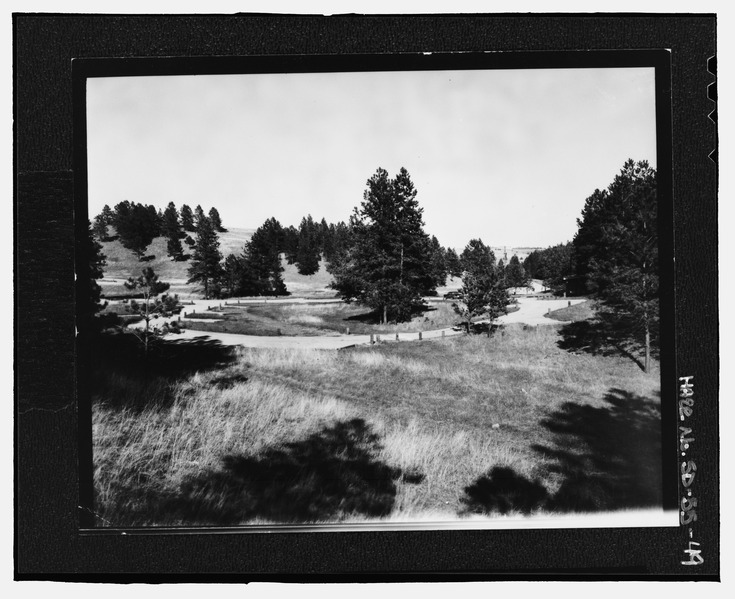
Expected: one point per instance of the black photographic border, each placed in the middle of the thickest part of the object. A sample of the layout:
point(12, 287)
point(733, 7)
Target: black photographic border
point(53, 56)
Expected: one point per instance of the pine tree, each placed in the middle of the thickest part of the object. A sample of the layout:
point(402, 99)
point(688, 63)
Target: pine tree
point(187, 219)
point(151, 306)
point(388, 264)
point(103, 220)
point(199, 217)
point(216, 220)
point(136, 226)
point(307, 255)
point(477, 258)
point(340, 239)
point(514, 274)
point(483, 292)
point(481, 295)
point(172, 232)
point(232, 276)
point(616, 250)
point(100, 228)
point(454, 266)
point(107, 215)
point(205, 263)
point(291, 244)
point(439, 269)
point(261, 268)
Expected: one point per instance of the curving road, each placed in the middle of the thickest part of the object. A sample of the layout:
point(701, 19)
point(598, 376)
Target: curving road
point(531, 312)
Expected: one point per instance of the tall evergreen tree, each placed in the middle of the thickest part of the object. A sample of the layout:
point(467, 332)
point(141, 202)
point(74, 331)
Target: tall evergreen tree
point(107, 215)
point(617, 252)
point(199, 217)
point(100, 228)
point(307, 255)
point(172, 232)
point(260, 272)
point(290, 245)
point(514, 274)
point(340, 239)
point(325, 237)
point(483, 292)
point(232, 276)
point(187, 219)
point(439, 270)
point(453, 263)
point(136, 226)
point(388, 266)
point(477, 258)
point(216, 220)
point(205, 263)
point(553, 265)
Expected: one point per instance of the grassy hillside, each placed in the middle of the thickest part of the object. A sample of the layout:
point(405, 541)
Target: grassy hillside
point(122, 263)
point(468, 426)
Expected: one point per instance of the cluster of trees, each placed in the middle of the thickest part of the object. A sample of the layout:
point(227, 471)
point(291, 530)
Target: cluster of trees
point(137, 225)
point(385, 260)
point(312, 241)
point(553, 265)
point(613, 257)
point(616, 253)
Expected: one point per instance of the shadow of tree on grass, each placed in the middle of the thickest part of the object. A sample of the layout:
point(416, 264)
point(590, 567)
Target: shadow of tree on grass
point(124, 376)
point(331, 474)
point(608, 458)
point(607, 334)
point(502, 491)
point(375, 317)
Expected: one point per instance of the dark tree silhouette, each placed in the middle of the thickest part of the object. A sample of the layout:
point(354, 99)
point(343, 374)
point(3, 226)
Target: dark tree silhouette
point(136, 225)
point(477, 258)
point(187, 219)
point(388, 264)
point(100, 228)
point(617, 253)
point(514, 274)
point(439, 270)
point(172, 232)
point(308, 253)
point(552, 265)
point(205, 263)
point(200, 217)
point(290, 236)
point(453, 263)
point(260, 264)
point(216, 220)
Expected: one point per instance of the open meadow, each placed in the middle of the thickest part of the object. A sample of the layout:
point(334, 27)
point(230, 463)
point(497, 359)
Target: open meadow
point(471, 426)
point(314, 319)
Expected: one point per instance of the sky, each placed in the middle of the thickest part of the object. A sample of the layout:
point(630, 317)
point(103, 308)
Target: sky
point(507, 156)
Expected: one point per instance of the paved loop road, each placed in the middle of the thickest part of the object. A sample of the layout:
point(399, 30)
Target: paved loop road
point(531, 312)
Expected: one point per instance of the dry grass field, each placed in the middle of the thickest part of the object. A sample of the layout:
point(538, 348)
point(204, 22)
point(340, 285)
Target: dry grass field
point(464, 427)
